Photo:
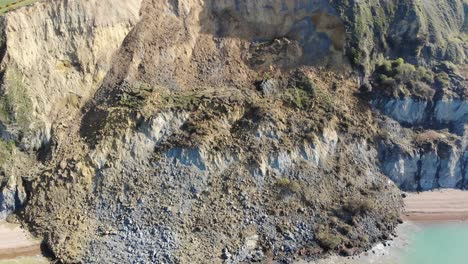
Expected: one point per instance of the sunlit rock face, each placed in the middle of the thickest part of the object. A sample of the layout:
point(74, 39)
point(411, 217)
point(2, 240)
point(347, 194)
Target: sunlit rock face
point(428, 148)
point(12, 196)
point(65, 52)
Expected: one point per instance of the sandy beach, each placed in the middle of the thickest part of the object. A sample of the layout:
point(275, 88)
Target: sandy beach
point(435, 206)
point(15, 242)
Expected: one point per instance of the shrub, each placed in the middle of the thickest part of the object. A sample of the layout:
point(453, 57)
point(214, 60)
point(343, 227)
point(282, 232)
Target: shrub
point(286, 186)
point(297, 98)
point(385, 68)
point(327, 239)
point(442, 80)
point(422, 90)
point(6, 150)
point(404, 72)
point(302, 82)
point(358, 206)
point(424, 75)
point(399, 78)
point(429, 136)
point(399, 62)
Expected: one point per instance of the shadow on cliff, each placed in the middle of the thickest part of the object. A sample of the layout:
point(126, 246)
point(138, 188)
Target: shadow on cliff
point(182, 46)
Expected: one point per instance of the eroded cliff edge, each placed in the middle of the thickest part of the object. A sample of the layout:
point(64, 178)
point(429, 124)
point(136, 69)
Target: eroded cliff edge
point(227, 131)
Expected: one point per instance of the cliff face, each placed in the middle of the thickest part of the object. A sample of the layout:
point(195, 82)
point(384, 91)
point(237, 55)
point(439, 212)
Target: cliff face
point(427, 156)
point(414, 60)
point(55, 56)
point(424, 141)
point(227, 131)
point(422, 32)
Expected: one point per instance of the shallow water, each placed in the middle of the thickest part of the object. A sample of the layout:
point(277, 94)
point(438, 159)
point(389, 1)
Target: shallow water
point(445, 243)
point(439, 244)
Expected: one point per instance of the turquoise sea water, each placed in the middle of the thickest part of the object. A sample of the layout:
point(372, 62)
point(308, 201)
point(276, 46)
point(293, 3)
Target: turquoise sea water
point(438, 244)
point(445, 243)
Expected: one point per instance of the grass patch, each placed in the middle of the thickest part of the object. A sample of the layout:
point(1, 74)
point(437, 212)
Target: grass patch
point(9, 5)
point(297, 98)
point(6, 150)
point(397, 78)
point(135, 96)
point(287, 186)
point(183, 101)
point(15, 104)
point(328, 239)
point(358, 207)
point(301, 91)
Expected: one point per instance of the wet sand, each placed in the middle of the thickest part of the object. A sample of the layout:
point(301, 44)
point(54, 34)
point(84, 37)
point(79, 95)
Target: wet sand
point(437, 206)
point(15, 242)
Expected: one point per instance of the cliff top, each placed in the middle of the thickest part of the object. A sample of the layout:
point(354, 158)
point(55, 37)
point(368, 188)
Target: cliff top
point(9, 5)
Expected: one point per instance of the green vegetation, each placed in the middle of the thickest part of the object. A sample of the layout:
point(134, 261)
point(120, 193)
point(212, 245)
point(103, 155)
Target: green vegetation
point(185, 101)
point(328, 239)
point(442, 79)
point(366, 22)
point(300, 92)
point(287, 186)
point(136, 96)
point(15, 104)
point(297, 98)
point(6, 150)
point(397, 78)
point(302, 82)
point(9, 5)
point(358, 207)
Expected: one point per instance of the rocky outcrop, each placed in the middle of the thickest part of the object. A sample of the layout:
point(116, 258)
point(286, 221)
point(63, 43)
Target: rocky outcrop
point(449, 114)
point(432, 106)
point(15, 166)
point(424, 159)
point(12, 196)
point(439, 164)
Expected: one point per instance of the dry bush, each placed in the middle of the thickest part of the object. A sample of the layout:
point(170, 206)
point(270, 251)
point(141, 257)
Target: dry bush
point(358, 206)
point(328, 239)
point(429, 136)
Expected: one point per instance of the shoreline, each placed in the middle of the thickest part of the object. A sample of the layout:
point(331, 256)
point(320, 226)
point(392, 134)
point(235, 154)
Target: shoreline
point(13, 253)
point(16, 242)
point(435, 217)
point(445, 205)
